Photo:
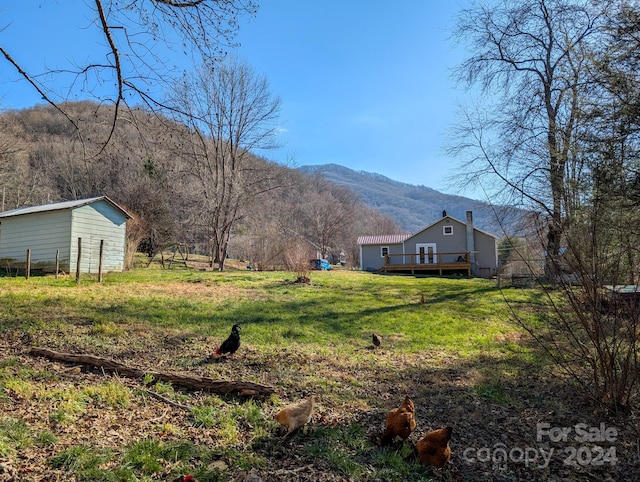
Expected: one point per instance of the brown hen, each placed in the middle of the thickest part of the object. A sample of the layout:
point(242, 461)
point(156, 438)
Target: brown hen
point(295, 415)
point(401, 422)
point(433, 448)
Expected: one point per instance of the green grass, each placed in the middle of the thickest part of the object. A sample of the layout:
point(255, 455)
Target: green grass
point(79, 459)
point(335, 306)
point(14, 434)
point(300, 338)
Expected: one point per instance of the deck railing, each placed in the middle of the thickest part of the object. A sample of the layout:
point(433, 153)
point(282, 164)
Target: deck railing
point(425, 262)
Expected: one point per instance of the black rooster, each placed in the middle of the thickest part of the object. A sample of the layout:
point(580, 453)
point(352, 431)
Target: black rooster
point(230, 345)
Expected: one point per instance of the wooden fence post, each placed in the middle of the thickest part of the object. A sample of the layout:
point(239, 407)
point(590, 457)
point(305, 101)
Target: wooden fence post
point(78, 260)
point(27, 270)
point(100, 261)
point(57, 262)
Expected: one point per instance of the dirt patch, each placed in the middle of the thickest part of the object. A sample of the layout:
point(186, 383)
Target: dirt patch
point(507, 423)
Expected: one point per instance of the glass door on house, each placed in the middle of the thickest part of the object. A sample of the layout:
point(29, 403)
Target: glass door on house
point(426, 253)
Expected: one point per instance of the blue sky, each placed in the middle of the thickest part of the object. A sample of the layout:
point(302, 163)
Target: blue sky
point(364, 83)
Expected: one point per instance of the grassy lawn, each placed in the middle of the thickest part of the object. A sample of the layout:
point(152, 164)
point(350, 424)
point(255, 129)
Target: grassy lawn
point(457, 354)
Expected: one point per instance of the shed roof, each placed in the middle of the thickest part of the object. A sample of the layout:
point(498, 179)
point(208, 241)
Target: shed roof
point(60, 206)
point(383, 239)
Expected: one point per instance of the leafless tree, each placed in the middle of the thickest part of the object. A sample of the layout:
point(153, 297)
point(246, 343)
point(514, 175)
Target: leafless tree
point(563, 138)
point(530, 57)
point(322, 212)
point(231, 114)
point(136, 34)
point(367, 221)
point(325, 215)
point(12, 162)
point(297, 259)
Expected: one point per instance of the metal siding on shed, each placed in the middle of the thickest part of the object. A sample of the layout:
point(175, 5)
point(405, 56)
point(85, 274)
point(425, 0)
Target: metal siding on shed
point(95, 222)
point(43, 233)
point(45, 229)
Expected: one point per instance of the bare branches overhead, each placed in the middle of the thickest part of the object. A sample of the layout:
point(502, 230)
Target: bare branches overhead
point(133, 42)
point(231, 113)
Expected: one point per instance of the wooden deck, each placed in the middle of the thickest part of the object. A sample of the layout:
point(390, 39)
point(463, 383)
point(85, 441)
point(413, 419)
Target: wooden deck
point(438, 263)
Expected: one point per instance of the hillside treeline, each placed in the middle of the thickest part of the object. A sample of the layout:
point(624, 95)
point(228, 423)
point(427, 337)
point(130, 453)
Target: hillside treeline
point(148, 168)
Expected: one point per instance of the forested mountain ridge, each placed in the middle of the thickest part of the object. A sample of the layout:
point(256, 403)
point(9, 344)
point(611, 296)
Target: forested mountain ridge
point(153, 167)
point(161, 171)
point(410, 206)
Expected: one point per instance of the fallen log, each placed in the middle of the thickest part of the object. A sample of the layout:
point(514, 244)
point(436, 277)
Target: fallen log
point(222, 387)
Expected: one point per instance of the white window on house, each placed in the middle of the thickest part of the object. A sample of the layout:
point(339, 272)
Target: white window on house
point(447, 230)
point(384, 251)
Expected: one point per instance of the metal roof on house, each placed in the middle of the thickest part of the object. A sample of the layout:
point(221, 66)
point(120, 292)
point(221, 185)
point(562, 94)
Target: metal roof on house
point(59, 206)
point(384, 239)
point(401, 238)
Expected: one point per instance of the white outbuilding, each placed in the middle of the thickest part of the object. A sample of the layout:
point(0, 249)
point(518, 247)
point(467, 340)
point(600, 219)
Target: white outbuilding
point(57, 231)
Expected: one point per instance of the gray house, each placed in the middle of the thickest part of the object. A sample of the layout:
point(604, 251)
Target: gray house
point(448, 246)
point(54, 229)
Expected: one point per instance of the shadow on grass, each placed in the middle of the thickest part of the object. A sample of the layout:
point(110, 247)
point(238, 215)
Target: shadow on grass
point(493, 395)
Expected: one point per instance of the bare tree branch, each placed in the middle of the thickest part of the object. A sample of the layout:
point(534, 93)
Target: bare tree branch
point(35, 85)
point(197, 30)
